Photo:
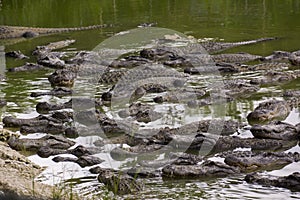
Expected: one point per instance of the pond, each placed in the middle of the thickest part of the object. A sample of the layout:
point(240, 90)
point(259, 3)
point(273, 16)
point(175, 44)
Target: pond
point(228, 20)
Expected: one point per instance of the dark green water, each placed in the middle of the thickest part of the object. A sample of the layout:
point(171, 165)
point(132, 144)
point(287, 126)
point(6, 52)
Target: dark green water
point(229, 20)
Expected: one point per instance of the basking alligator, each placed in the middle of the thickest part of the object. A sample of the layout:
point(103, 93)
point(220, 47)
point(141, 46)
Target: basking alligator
point(252, 161)
point(83, 161)
point(7, 32)
point(275, 130)
point(206, 169)
point(269, 110)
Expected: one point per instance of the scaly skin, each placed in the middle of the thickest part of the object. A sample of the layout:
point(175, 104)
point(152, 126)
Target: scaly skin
point(7, 32)
point(213, 47)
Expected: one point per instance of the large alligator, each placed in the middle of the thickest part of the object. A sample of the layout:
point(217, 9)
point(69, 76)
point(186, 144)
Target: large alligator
point(7, 32)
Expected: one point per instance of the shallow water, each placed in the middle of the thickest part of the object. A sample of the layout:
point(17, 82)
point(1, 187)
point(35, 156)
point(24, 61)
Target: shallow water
point(228, 20)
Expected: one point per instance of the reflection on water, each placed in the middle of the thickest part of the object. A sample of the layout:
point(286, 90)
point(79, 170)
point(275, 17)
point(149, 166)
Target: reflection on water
point(229, 20)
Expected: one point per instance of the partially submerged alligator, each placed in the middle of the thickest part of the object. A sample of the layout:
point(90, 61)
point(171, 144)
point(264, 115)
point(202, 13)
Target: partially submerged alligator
point(291, 181)
point(7, 32)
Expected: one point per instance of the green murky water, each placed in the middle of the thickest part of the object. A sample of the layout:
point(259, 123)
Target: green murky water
point(229, 20)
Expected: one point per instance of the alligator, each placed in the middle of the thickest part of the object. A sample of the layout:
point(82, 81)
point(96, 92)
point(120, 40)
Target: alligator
point(248, 161)
point(7, 32)
point(275, 77)
point(292, 93)
point(211, 100)
point(173, 158)
point(294, 58)
point(291, 181)
point(180, 95)
point(275, 130)
point(146, 151)
point(130, 62)
point(40, 50)
point(136, 92)
point(269, 110)
point(135, 172)
point(284, 56)
point(239, 88)
point(235, 58)
point(46, 151)
point(82, 161)
point(207, 169)
point(58, 91)
point(224, 67)
point(166, 53)
point(226, 143)
point(40, 120)
point(16, 54)
point(45, 108)
point(51, 60)
point(277, 56)
point(51, 128)
point(99, 123)
point(140, 112)
point(62, 77)
point(29, 144)
point(214, 47)
point(119, 182)
point(175, 58)
point(26, 67)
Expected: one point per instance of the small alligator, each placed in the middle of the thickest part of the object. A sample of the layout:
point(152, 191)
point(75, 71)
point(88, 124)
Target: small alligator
point(7, 32)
